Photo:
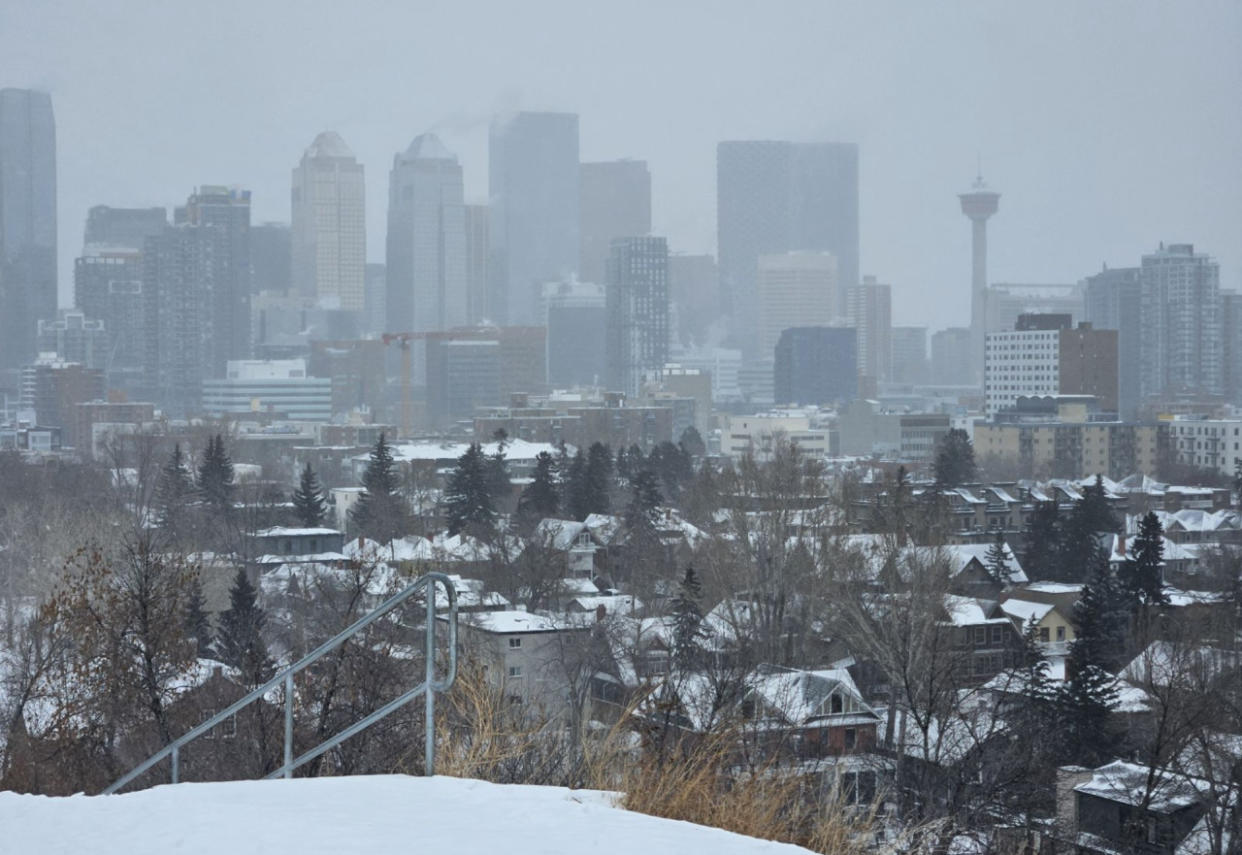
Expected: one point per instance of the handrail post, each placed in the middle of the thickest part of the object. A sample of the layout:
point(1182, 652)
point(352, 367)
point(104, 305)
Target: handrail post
point(429, 758)
point(176, 764)
point(288, 724)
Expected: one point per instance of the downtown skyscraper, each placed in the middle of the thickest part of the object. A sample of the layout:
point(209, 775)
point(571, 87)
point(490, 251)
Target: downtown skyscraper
point(777, 197)
point(427, 276)
point(636, 312)
point(615, 203)
point(329, 235)
point(27, 221)
point(533, 182)
point(1181, 353)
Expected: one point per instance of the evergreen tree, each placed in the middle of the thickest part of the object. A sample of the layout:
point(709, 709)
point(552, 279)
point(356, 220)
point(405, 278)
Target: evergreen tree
point(1079, 543)
point(309, 505)
point(173, 490)
point(1040, 540)
point(380, 512)
point(1090, 690)
point(1097, 515)
point(215, 476)
point(577, 490)
point(687, 620)
point(598, 479)
point(691, 442)
point(240, 640)
point(498, 484)
point(645, 501)
point(996, 562)
point(468, 497)
point(1142, 572)
point(197, 624)
point(955, 460)
point(674, 467)
point(630, 461)
point(540, 498)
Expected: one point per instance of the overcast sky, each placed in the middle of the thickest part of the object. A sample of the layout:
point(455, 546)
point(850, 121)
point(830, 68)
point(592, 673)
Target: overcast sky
point(1107, 127)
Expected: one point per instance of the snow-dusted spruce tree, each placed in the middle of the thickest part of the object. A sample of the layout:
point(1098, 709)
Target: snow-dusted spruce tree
point(309, 504)
point(468, 495)
point(380, 512)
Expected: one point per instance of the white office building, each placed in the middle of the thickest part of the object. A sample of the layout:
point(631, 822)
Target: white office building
point(1017, 363)
point(277, 388)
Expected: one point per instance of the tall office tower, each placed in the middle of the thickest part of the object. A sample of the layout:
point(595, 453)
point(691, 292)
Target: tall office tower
point(1231, 344)
point(225, 213)
point(577, 330)
point(816, 365)
point(479, 298)
point(794, 289)
point(951, 357)
point(426, 270)
point(271, 248)
point(107, 286)
point(1180, 351)
point(27, 221)
point(910, 355)
point(637, 306)
point(1112, 300)
point(979, 204)
point(775, 197)
point(73, 337)
point(869, 307)
point(329, 233)
point(533, 186)
point(615, 202)
point(123, 226)
point(375, 313)
point(694, 289)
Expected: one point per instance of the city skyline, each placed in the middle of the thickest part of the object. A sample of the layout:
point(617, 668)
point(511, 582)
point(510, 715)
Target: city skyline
point(916, 154)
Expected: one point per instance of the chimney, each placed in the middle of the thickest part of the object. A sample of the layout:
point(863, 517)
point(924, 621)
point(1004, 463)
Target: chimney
point(601, 612)
point(1121, 545)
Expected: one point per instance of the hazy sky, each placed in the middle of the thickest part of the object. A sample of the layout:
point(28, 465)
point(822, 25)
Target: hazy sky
point(1107, 127)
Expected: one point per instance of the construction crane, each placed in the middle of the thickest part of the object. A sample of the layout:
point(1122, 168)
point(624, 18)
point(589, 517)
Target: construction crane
point(407, 396)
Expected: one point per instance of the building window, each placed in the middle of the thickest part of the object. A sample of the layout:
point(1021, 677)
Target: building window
point(515, 671)
point(1043, 634)
point(834, 704)
point(1060, 633)
point(515, 642)
point(851, 738)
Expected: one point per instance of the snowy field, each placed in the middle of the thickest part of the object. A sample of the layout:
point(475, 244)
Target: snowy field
point(336, 816)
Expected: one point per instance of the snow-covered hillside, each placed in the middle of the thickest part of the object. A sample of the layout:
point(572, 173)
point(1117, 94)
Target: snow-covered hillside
point(382, 814)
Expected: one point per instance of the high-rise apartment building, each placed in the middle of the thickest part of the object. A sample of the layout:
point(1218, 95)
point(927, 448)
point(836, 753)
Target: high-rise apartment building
point(53, 388)
point(637, 308)
point(1045, 355)
point(1180, 350)
point(910, 355)
point(427, 285)
point(107, 286)
point(816, 365)
point(479, 298)
point(615, 202)
point(123, 226)
point(224, 212)
point(776, 197)
point(577, 333)
point(869, 307)
point(1231, 344)
point(533, 181)
point(1112, 300)
point(73, 337)
point(27, 221)
point(329, 232)
point(794, 289)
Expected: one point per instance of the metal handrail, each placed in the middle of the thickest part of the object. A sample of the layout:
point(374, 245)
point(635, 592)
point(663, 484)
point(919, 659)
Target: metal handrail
point(427, 688)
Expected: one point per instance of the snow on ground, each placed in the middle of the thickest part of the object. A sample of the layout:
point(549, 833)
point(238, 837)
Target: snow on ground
point(377, 813)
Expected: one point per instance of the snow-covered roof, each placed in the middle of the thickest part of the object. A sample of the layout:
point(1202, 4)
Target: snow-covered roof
point(1164, 662)
point(552, 533)
point(962, 553)
point(515, 449)
point(603, 526)
point(967, 611)
point(511, 622)
point(1054, 587)
point(1128, 783)
point(1023, 610)
point(290, 531)
point(619, 604)
point(799, 697)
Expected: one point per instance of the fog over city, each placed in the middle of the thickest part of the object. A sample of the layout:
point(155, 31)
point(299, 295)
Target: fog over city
point(1107, 126)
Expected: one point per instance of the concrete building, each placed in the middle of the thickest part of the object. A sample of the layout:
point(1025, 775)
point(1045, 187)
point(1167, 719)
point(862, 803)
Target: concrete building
point(816, 365)
point(1204, 443)
point(273, 389)
point(869, 307)
point(1046, 356)
point(723, 365)
point(96, 422)
point(909, 360)
point(480, 302)
point(108, 286)
point(1181, 353)
point(579, 420)
point(680, 382)
point(73, 337)
point(794, 289)
point(950, 357)
point(1089, 365)
point(576, 317)
point(865, 429)
point(27, 222)
point(356, 369)
point(979, 204)
point(759, 435)
point(375, 299)
point(329, 237)
point(694, 290)
point(637, 312)
point(774, 197)
point(1112, 300)
point(223, 215)
point(426, 267)
point(1231, 345)
point(52, 388)
point(534, 193)
point(615, 202)
point(509, 361)
point(128, 227)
